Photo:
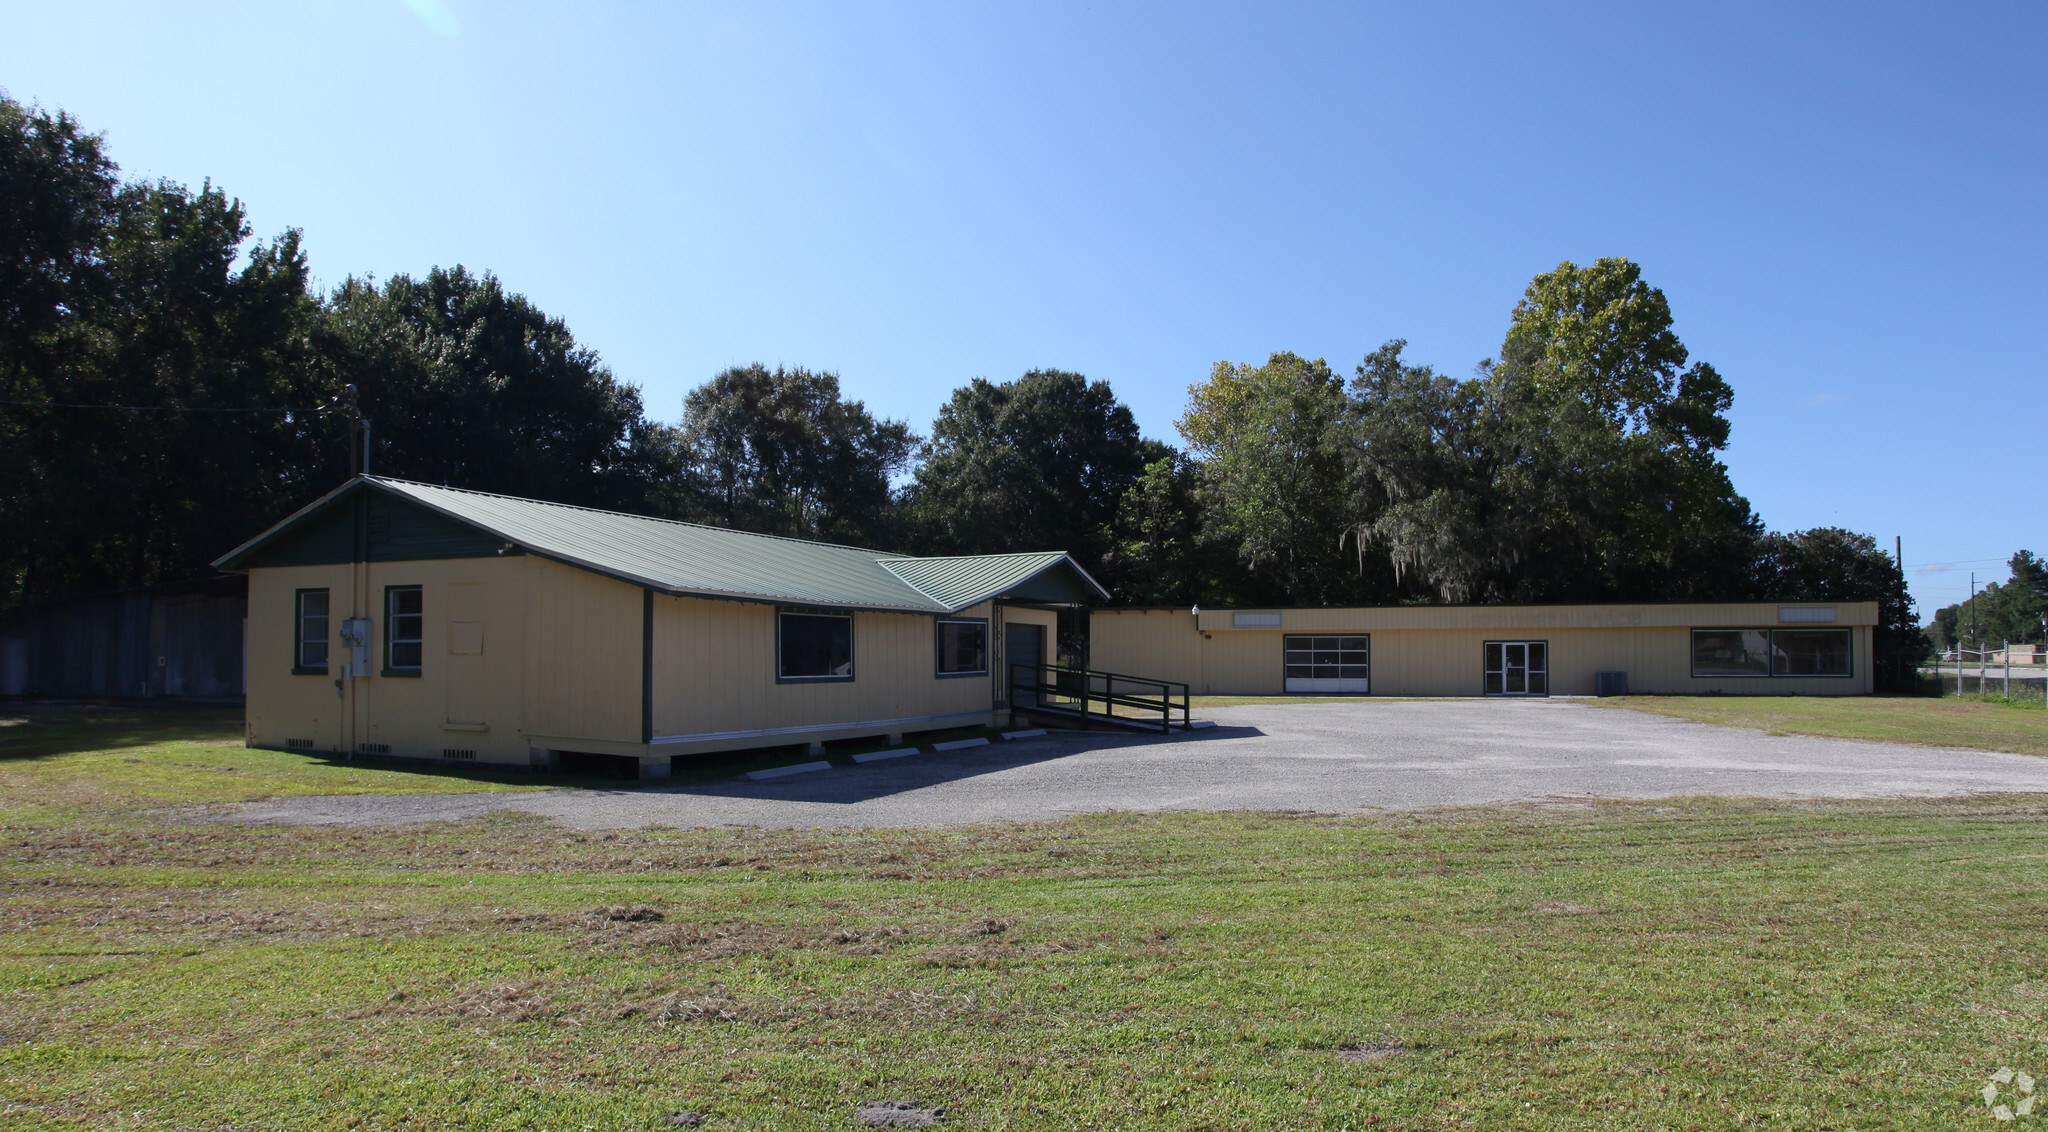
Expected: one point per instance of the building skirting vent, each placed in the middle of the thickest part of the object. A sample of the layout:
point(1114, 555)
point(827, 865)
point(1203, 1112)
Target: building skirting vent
point(298, 744)
point(458, 753)
point(373, 748)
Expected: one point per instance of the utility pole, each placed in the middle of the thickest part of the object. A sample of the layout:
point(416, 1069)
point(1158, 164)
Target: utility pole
point(358, 427)
point(347, 403)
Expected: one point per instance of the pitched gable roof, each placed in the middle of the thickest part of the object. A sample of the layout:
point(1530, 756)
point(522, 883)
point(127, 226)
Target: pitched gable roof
point(686, 558)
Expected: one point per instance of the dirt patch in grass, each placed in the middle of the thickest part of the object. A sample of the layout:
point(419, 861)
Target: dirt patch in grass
point(1372, 1051)
point(898, 1114)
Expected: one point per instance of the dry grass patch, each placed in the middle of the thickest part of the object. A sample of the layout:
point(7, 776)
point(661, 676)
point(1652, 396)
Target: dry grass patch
point(1925, 721)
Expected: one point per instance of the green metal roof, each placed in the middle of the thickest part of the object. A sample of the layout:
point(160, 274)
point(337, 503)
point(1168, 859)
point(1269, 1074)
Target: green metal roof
point(686, 558)
point(956, 582)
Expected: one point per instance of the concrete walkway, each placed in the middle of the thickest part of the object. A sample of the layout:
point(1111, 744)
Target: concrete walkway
point(1340, 757)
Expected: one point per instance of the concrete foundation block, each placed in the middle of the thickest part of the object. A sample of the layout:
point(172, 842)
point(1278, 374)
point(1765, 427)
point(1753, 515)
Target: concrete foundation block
point(959, 744)
point(653, 770)
point(786, 771)
point(878, 756)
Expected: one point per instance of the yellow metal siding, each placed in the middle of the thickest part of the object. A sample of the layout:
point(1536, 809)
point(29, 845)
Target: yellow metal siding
point(1704, 615)
point(280, 705)
point(1159, 643)
point(409, 715)
point(582, 664)
point(1449, 660)
point(714, 664)
point(524, 652)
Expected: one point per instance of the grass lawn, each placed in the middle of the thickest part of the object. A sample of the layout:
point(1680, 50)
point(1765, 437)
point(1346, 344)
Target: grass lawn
point(1979, 724)
point(71, 761)
point(1676, 965)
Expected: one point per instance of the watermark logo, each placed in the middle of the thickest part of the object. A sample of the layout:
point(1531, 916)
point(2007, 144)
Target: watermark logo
point(2009, 1094)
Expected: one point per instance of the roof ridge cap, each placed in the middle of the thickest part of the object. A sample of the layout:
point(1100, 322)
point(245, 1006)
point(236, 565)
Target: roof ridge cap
point(643, 518)
point(963, 557)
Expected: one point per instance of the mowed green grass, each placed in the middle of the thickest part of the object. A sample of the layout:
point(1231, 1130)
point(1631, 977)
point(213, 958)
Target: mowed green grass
point(94, 760)
point(1709, 964)
point(1983, 725)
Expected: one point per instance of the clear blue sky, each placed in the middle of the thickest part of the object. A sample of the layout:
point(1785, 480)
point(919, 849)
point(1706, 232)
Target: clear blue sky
point(1843, 203)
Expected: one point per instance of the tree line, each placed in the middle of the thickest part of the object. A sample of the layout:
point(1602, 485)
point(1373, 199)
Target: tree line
point(2015, 610)
point(173, 385)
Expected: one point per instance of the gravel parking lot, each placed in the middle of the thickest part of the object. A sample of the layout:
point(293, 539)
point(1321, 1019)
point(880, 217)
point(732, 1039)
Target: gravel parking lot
point(1338, 757)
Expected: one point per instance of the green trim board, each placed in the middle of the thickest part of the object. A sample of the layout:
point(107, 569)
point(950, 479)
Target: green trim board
point(646, 666)
point(390, 529)
point(397, 520)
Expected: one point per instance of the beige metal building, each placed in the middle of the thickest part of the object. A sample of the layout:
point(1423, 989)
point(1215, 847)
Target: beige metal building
point(404, 620)
point(1741, 648)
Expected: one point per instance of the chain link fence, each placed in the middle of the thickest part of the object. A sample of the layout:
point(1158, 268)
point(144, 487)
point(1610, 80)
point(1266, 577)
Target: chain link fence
point(2016, 673)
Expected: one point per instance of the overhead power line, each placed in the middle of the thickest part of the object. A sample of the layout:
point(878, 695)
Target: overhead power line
point(1955, 562)
point(172, 408)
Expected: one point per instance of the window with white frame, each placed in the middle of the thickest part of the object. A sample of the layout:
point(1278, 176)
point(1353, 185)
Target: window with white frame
point(405, 623)
point(309, 633)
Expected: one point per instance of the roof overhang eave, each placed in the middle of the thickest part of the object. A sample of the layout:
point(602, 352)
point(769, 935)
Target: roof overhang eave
point(284, 524)
point(1063, 560)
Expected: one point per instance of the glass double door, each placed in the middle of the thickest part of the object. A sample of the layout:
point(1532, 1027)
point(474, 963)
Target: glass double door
point(1517, 668)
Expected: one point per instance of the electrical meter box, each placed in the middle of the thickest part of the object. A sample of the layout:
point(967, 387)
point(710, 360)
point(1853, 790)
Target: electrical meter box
point(355, 637)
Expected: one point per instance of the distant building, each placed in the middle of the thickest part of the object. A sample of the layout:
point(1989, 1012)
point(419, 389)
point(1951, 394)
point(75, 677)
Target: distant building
point(178, 639)
point(1735, 648)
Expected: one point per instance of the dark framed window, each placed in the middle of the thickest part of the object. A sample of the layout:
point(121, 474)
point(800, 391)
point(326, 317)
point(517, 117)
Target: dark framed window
point(1809, 652)
point(1731, 652)
point(813, 648)
point(1771, 652)
point(309, 633)
point(1327, 663)
point(405, 622)
point(963, 646)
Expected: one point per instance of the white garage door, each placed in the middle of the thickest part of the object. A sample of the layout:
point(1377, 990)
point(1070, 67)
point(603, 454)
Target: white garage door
point(1329, 664)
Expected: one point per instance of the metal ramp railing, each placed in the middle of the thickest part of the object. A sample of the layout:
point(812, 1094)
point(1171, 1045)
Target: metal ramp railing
point(1075, 693)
